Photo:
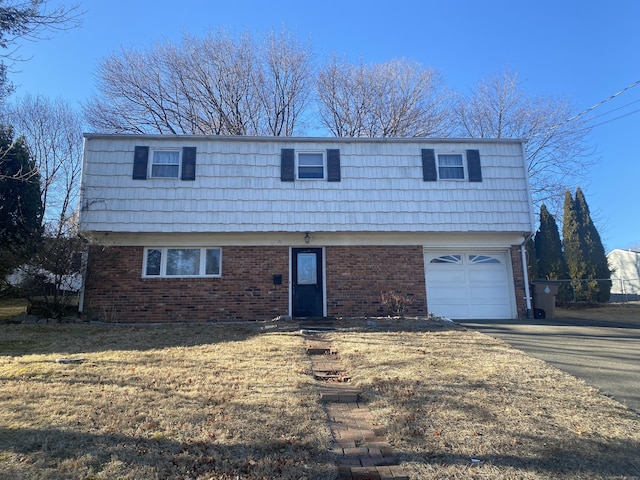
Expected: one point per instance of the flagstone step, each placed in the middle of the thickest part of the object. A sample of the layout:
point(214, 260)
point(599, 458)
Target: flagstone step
point(328, 368)
point(318, 347)
point(331, 376)
point(339, 392)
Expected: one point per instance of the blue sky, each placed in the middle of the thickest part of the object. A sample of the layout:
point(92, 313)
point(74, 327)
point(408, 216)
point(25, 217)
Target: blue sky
point(583, 50)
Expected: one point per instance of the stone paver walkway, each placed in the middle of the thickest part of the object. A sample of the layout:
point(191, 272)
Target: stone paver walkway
point(361, 450)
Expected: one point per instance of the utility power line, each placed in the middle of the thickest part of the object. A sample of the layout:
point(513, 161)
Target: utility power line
point(608, 99)
point(611, 111)
point(616, 118)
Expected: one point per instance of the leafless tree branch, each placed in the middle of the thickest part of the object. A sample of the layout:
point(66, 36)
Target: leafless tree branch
point(558, 156)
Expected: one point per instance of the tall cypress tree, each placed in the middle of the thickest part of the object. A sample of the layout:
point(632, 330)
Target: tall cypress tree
point(593, 251)
point(551, 262)
point(572, 245)
point(549, 254)
point(584, 252)
point(20, 204)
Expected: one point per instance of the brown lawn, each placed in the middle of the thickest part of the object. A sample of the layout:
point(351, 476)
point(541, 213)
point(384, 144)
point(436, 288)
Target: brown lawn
point(458, 404)
point(237, 402)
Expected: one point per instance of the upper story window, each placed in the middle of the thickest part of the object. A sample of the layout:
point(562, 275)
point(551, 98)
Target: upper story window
point(311, 165)
point(450, 166)
point(165, 163)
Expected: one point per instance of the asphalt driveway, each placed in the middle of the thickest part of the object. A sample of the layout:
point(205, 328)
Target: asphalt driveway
point(604, 354)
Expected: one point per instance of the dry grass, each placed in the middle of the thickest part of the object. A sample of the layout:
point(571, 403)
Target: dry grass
point(158, 402)
point(10, 307)
point(459, 404)
point(619, 312)
point(237, 402)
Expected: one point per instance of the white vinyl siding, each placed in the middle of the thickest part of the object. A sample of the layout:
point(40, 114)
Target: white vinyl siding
point(239, 188)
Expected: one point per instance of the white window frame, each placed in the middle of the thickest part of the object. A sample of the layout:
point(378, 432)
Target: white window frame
point(311, 152)
point(464, 166)
point(163, 262)
point(162, 150)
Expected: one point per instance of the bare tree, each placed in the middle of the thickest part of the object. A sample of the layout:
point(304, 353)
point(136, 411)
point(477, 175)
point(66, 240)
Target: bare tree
point(53, 134)
point(215, 84)
point(219, 79)
point(29, 20)
point(558, 156)
point(283, 82)
point(135, 95)
point(398, 98)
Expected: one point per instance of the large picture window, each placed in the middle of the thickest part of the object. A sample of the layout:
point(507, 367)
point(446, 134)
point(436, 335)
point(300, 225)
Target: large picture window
point(182, 262)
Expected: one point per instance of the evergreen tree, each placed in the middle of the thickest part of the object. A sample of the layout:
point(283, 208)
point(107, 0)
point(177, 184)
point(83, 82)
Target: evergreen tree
point(549, 254)
point(572, 245)
point(20, 204)
point(584, 252)
point(593, 252)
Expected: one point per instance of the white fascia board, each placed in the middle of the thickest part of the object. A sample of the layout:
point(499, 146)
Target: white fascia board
point(428, 240)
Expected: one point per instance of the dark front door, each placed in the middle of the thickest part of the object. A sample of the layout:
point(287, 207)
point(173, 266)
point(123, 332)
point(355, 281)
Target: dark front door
point(307, 293)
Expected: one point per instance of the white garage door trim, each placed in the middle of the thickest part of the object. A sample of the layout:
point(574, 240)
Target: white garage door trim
point(469, 284)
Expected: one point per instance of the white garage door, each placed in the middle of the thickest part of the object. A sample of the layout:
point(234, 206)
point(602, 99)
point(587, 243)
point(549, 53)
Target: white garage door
point(467, 285)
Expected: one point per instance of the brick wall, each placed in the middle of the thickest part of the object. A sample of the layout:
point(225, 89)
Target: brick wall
point(116, 292)
point(356, 276)
point(518, 281)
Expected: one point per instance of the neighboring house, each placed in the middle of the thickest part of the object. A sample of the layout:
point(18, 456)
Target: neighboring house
point(212, 228)
point(625, 276)
point(71, 282)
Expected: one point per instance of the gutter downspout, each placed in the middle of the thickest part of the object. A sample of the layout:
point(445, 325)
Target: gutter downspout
point(527, 294)
point(83, 272)
point(530, 235)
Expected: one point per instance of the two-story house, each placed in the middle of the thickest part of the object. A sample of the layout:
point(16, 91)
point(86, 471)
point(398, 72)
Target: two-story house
point(211, 228)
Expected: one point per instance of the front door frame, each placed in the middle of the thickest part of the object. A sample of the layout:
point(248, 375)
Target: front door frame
point(293, 251)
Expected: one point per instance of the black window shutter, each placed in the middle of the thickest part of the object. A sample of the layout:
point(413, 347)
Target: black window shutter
point(188, 163)
point(429, 172)
point(473, 166)
point(140, 159)
point(287, 165)
point(333, 165)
